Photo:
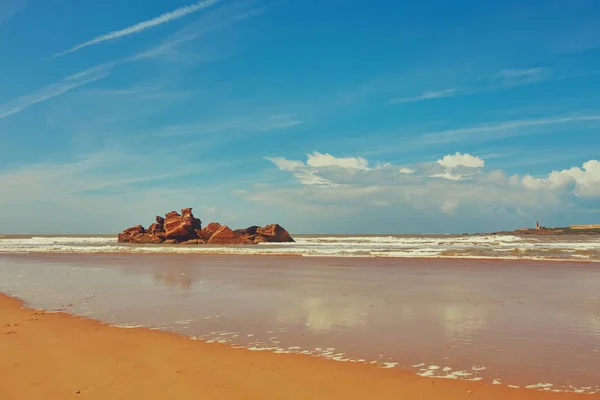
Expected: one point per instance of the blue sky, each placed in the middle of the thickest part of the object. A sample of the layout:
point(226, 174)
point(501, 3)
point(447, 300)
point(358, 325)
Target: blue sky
point(325, 116)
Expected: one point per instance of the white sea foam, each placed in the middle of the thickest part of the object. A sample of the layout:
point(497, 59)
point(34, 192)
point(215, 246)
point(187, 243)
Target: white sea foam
point(128, 326)
point(539, 386)
point(464, 246)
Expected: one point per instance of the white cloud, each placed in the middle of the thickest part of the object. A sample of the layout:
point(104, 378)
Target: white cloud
point(234, 124)
point(448, 175)
point(585, 180)
point(286, 165)
point(449, 207)
point(498, 130)
point(229, 16)
point(317, 159)
point(309, 178)
point(506, 77)
point(8, 9)
point(466, 187)
point(457, 167)
point(141, 26)
point(168, 49)
point(428, 96)
point(458, 160)
point(521, 75)
point(108, 190)
point(56, 89)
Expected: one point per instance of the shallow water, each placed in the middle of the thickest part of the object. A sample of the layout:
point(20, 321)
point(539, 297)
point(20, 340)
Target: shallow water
point(522, 323)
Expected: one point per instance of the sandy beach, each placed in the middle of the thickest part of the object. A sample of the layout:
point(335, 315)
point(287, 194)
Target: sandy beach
point(503, 323)
point(58, 356)
point(296, 200)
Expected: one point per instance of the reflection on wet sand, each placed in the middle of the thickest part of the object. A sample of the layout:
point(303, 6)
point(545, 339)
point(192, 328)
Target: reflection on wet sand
point(593, 323)
point(324, 314)
point(181, 280)
point(461, 322)
point(518, 323)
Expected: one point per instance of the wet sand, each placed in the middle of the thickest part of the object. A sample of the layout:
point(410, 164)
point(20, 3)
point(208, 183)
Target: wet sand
point(526, 323)
point(57, 356)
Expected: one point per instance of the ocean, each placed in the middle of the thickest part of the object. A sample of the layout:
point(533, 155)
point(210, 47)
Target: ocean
point(579, 248)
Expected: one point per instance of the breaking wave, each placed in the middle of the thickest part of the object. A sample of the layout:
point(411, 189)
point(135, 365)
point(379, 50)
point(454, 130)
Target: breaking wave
point(401, 246)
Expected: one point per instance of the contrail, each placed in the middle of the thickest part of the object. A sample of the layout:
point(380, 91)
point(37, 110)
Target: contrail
point(141, 26)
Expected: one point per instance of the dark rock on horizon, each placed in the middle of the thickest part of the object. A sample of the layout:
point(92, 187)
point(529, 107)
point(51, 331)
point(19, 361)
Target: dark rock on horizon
point(184, 228)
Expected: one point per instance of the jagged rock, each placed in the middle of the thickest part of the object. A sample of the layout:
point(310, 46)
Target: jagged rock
point(158, 227)
point(208, 231)
point(181, 227)
point(249, 233)
point(273, 233)
point(270, 233)
point(137, 234)
point(224, 235)
point(128, 233)
point(184, 228)
point(213, 227)
point(146, 238)
point(187, 213)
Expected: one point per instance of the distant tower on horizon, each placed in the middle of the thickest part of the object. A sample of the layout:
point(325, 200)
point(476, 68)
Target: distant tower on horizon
point(537, 225)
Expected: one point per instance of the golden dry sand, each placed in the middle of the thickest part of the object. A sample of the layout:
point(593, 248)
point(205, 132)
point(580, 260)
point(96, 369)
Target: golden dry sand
point(58, 356)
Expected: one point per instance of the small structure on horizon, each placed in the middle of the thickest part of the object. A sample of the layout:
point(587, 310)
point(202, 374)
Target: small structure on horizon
point(538, 227)
point(594, 226)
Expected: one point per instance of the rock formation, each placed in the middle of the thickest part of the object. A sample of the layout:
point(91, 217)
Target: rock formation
point(208, 231)
point(184, 228)
point(224, 235)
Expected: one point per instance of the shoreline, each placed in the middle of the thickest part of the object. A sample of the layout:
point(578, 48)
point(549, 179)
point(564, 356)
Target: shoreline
point(52, 355)
point(226, 254)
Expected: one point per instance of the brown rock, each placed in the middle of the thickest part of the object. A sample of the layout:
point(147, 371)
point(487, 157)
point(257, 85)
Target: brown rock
point(145, 238)
point(128, 233)
point(224, 235)
point(158, 227)
point(181, 227)
point(187, 213)
point(273, 233)
point(249, 233)
point(208, 231)
point(186, 229)
point(137, 234)
point(155, 228)
point(213, 227)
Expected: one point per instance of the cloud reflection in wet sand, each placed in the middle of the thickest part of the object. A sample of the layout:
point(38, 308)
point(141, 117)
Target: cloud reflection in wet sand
point(180, 280)
point(461, 322)
point(324, 314)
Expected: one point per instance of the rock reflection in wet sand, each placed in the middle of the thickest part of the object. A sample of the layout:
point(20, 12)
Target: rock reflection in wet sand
point(508, 322)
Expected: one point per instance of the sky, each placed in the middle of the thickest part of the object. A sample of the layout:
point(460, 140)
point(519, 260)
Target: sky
point(323, 116)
